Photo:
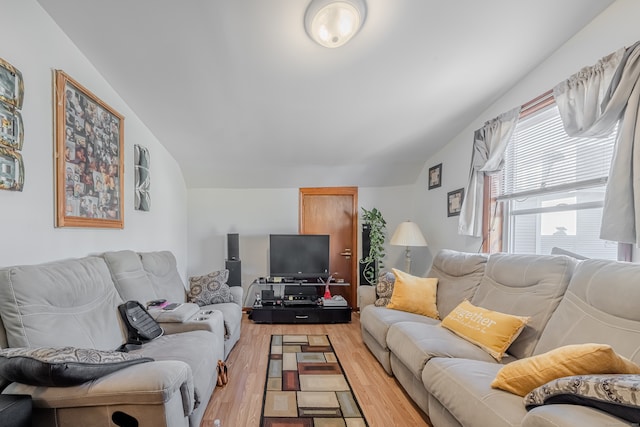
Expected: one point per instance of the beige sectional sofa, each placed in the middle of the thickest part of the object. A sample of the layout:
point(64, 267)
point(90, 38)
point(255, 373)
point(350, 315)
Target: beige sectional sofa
point(74, 303)
point(568, 302)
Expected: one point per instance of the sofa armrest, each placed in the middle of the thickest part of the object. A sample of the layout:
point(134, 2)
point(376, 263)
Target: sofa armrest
point(142, 384)
point(569, 416)
point(204, 319)
point(366, 296)
point(238, 294)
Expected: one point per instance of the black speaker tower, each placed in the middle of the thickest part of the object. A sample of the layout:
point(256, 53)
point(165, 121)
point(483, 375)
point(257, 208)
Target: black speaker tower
point(233, 247)
point(233, 263)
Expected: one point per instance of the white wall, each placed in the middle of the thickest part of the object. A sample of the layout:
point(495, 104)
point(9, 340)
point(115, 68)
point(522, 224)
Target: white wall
point(616, 27)
point(256, 213)
point(36, 46)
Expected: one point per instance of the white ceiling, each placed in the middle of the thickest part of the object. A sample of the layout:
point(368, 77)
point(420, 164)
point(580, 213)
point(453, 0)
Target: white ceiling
point(241, 97)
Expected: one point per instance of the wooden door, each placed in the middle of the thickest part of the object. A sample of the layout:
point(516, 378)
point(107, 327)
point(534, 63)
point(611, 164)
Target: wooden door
point(334, 211)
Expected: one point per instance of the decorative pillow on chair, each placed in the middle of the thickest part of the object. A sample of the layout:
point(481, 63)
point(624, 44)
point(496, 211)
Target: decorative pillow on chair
point(384, 288)
point(62, 366)
point(211, 288)
point(522, 376)
point(490, 330)
point(615, 394)
point(414, 294)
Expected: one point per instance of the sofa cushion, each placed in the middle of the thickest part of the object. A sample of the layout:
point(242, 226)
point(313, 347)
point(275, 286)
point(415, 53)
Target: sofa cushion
point(524, 375)
point(162, 269)
point(131, 281)
point(464, 387)
point(414, 344)
point(600, 305)
point(614, 394)
point(378, 320)
point(414, 294)
point(210, 288)
point(384, 288)
point(524, 285)
point(62, 366)
point(458, 275)
point(200, 349)
point(491, 330)
point(65, 303)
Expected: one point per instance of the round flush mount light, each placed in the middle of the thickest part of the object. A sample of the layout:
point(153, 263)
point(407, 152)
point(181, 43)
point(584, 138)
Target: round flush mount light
point(332, 23)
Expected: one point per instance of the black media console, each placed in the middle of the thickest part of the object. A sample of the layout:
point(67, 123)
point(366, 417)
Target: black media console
point(297, 302)
point(302, 314)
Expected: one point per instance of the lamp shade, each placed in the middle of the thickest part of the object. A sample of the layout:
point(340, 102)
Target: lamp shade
point(408, 234)
point(332, 23)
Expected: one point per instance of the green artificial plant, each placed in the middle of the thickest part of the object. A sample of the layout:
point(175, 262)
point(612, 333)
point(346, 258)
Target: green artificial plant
point(373, 261)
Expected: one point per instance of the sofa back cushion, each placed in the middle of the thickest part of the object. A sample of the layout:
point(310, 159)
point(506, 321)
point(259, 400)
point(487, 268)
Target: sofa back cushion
point(525, 285)
point(162, 270)
point(65, 303)
point(600, 306)
point(458, 275)
point(129, 277)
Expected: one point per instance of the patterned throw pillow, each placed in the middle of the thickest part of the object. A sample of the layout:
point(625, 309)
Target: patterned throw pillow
point(211, 288)
point(615, 394)
point(384, 288)
point(62, 366)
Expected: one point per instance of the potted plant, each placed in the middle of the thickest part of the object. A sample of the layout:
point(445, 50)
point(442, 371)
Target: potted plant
point(374, 225)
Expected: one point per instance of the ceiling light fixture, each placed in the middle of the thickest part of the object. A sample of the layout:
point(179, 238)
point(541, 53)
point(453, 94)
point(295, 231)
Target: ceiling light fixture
point(332, 23)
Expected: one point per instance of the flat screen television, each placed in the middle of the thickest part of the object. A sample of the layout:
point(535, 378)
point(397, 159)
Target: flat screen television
point(299, 256)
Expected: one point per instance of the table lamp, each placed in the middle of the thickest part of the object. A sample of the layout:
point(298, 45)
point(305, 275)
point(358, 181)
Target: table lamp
point(408, 234)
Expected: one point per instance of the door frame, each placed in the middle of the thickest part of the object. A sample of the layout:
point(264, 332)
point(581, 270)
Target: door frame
point(339, 191)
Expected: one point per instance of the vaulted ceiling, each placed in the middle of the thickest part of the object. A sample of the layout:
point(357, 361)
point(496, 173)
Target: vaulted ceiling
point(242, 98)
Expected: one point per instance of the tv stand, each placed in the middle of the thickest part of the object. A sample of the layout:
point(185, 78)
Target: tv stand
point(293, 314)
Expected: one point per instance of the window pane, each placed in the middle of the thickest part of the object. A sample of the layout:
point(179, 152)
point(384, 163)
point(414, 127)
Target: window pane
point(559, 225)
point(541, 155)
point(552, 187)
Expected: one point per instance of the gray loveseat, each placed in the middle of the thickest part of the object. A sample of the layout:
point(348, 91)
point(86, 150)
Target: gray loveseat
point(568, 301)
point(74, 303)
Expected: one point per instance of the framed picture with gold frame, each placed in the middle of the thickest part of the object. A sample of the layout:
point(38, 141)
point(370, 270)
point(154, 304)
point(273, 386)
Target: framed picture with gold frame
point(11, 130)
point(11, 84)
point(89, 140)
point(11, 170)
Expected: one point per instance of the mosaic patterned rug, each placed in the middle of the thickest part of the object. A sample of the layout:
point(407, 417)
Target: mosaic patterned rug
point(306, 386)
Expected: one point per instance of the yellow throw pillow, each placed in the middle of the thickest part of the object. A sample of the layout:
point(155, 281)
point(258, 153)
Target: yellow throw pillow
point(524, 375)
point(490, 330)
point(414, 294)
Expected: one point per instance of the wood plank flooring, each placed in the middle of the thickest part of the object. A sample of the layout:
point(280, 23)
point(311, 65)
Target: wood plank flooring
point(381, 397)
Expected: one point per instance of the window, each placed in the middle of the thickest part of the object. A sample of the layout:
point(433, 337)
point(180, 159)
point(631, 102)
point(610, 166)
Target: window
point(550, 192)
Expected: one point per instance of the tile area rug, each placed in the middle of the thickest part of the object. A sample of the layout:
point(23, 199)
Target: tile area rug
point(306, 386)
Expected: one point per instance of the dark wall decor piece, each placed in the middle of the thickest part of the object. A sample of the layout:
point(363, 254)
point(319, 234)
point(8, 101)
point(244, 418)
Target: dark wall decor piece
point(11, 129)
point(143, 181)
point(435, 176)
point(89, 158)
point(454, 202)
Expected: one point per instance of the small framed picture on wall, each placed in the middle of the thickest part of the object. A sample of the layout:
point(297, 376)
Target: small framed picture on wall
point(454, 202)
point(435, 176)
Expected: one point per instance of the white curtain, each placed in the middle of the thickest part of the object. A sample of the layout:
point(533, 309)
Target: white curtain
point(489, 145)
point(591, 102)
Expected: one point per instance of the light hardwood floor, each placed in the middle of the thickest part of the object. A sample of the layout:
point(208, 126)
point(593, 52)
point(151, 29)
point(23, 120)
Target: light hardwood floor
point(239, 403)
